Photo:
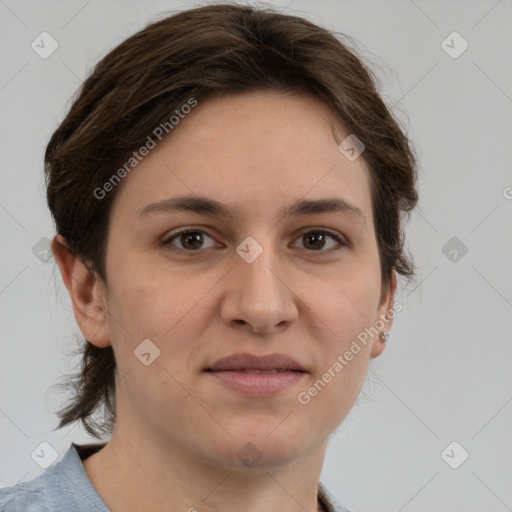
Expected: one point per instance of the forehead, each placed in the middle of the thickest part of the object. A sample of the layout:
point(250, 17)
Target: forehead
point(257, 152)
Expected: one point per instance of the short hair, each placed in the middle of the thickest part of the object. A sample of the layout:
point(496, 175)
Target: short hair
point(205, 52)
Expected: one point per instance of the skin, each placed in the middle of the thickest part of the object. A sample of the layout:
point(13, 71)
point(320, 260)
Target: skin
point(178, 432)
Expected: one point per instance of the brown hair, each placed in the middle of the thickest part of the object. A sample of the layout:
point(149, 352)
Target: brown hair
point(199, 53)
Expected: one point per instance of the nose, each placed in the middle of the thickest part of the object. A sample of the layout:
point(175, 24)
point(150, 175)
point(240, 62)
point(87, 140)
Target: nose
point(258, 297)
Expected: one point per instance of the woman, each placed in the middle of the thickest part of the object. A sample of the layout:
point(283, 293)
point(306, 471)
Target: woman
point(228, 190)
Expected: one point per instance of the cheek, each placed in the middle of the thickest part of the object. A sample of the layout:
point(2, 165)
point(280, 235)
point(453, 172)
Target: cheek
point(345, 304)
point(168, 308)
point(148, 307)
point(342, 313)
point(148, 300)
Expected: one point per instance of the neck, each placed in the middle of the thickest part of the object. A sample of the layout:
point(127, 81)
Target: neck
point(140, 473)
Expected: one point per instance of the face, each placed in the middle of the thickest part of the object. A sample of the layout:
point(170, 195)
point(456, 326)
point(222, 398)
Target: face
point(255, 277)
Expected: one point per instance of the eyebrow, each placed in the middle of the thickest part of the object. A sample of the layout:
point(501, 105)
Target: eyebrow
point(205, 205)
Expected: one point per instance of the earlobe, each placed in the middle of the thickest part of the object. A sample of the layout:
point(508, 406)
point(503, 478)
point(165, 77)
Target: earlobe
point(87, 293)
point(384, 319)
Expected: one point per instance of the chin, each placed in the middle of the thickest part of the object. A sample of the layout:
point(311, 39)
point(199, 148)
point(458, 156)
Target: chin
point(261, 451)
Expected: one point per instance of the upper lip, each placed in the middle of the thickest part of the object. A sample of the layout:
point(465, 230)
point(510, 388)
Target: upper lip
point(245, 361)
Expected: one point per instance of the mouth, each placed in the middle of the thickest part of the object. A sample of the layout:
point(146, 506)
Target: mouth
point(250, 370)
point(249, 362)
point(257, 375)
point(257, 382)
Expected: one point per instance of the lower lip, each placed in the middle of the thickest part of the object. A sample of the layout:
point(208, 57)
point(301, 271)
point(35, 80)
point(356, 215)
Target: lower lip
point(258, 384)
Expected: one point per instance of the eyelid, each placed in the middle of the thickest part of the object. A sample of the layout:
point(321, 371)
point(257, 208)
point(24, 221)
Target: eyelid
point(333, 233)
point(169, 236)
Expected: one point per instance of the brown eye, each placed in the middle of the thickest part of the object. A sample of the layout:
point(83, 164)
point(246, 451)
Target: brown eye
point(189, 239)
point(316, 240)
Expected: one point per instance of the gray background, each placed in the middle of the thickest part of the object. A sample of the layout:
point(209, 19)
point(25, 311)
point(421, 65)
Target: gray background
point(446, 373)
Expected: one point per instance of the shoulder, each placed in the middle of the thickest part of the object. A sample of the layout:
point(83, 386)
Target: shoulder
point(62, 487)
point(25, 497)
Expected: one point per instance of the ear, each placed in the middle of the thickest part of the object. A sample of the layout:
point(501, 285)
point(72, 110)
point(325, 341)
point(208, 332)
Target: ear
point(87, 293)
point(384, 319)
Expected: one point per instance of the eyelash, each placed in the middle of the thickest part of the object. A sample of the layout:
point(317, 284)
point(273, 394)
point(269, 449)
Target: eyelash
point(342, 243)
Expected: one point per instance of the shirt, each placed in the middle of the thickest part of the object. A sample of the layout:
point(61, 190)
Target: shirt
point(65, 487)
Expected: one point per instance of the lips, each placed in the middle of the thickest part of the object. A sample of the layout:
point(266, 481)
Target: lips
point(257, 376)
point(244, 362)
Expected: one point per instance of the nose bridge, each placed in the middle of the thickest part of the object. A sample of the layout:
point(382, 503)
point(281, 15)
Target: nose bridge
point(258, 295)
point(259, 266)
